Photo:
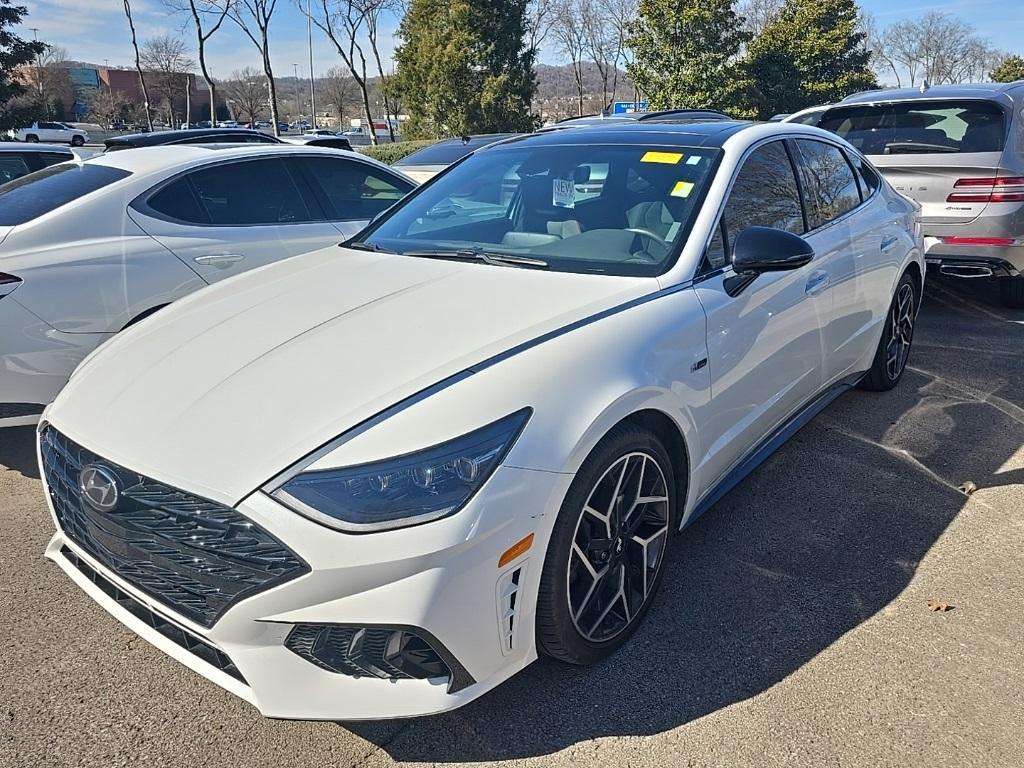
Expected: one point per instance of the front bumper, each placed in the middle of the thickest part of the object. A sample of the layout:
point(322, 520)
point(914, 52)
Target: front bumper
point(35, 362)
point(972, 261)
point(441, 578)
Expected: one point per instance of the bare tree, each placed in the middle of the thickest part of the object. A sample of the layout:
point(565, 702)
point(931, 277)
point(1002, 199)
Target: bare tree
point(343, 23)
point(372, 10)
point(606, 28)
point(758, 14)
point(248, 92)
point(339, 89)
point(107, 106)
point(937, 48)
point(53, 78)
point(253, 18)
point(138, 64)
point(170, 68)
point(539, 18)
point(571, 38)
point(207, 18)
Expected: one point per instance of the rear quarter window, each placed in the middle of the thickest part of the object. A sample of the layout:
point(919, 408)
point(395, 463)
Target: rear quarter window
point(36, 194)
point(920, 127)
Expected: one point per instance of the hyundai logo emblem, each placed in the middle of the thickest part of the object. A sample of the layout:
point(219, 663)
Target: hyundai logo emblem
point(99, 487)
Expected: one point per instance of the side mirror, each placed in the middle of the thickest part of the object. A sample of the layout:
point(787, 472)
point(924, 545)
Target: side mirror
point(764, 249)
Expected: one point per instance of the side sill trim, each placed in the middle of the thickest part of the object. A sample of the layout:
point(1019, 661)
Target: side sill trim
point(757, 456)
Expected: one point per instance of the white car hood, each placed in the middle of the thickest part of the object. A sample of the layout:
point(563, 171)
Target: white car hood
point(226, 388)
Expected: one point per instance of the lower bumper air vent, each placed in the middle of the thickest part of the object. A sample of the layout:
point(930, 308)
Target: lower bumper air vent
point(388, 653)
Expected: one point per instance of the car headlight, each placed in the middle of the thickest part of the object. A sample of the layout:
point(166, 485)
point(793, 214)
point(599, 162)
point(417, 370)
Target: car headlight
point(405, 490)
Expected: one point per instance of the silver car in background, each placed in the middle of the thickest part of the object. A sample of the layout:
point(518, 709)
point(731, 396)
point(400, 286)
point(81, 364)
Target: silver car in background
point(958, 150)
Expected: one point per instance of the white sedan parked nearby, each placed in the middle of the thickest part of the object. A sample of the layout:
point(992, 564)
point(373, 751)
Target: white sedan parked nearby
point(377, 481)
point(87, 249)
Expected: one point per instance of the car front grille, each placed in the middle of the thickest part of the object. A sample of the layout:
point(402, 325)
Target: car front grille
point(193, 555)
point(191, 643)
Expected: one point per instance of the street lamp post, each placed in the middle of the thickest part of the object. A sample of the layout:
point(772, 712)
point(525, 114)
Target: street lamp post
point(295, 69)
point(312, 87)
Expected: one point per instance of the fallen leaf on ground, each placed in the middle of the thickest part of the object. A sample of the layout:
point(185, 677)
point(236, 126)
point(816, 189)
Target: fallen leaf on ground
point(937, 606)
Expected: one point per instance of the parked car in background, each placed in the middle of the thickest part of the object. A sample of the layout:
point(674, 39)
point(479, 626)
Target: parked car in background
point(661, 116)
point(332, 140)
point(189, 136)
point(426, 163)
point(55, 133)
point(378, 481)
point(87, 249)
point(809, 116)
point(17, 160)
point(959, 151)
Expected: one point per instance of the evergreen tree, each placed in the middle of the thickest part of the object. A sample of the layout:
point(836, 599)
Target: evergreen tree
point(1011, 68)
point(464, 67)
point(14, 53)
point(685, 55)
point(812, 53)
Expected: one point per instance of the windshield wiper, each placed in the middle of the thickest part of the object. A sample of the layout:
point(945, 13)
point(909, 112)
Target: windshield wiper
point(495, 259)
point(363, 246)
point(916, 147)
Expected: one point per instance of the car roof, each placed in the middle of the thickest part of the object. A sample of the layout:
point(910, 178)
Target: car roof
point(964, 91)
point(712, 133)
point(144, 160)
point(33, 147)
point(167, 137)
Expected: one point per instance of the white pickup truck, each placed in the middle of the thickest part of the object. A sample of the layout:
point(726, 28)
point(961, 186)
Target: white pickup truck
point(58, 133)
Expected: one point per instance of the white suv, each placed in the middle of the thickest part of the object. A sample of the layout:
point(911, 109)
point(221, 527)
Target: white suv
point(53, 132)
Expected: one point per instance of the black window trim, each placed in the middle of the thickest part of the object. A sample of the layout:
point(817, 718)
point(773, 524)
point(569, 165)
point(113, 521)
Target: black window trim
point(699, 276)
point(141, 202)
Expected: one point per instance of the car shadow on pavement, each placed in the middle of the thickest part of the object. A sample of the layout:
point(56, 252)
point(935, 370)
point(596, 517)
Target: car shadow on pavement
point(821, 538)
point(18, 450)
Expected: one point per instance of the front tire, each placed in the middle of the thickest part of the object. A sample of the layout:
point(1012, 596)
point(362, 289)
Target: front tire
point(894, 347)
point(1011, 292)
point(606, 554)
point(32, 139)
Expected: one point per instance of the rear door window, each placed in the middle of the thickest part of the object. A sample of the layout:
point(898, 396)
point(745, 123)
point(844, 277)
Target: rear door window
point(920, 127)
point(830, 188)
point(39, 193)
point(254, 192)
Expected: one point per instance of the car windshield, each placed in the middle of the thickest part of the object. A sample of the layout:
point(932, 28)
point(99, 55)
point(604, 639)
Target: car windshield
point(38, 193)
point(920, 127)
point(612, 209)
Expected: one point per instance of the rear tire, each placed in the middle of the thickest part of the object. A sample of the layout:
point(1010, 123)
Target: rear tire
point(77, 141)
point(606, 555)
point(1011, 291)
point(894, 347)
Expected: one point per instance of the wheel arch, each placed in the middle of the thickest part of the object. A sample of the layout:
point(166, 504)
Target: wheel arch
point(668, 432)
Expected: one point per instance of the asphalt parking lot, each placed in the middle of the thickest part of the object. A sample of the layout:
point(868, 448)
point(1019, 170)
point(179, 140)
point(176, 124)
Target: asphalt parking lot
point(792, 628)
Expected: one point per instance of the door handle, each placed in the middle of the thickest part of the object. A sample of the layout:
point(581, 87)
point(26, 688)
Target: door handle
point(218, 259)
point(816, 283)
point(888, 243)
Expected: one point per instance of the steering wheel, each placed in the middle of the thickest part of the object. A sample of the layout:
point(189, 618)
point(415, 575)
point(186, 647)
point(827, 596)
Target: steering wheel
point(652, 235)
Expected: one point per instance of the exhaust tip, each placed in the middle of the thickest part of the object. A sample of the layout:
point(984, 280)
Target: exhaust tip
point(965, 270)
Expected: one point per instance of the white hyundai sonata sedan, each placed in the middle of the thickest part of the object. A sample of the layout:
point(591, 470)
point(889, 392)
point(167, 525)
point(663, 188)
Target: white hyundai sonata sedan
point(89, 248)
point(377, 480)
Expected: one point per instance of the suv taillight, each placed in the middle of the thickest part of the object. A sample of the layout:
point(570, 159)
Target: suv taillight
point(1004, 189)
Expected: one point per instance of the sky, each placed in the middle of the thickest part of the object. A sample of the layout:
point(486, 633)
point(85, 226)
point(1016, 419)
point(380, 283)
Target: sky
point(97, 31)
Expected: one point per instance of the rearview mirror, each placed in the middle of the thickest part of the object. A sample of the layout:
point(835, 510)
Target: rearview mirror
point(765, 249)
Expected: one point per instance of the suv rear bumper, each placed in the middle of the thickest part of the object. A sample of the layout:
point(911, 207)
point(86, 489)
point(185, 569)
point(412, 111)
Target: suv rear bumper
point(972, 261)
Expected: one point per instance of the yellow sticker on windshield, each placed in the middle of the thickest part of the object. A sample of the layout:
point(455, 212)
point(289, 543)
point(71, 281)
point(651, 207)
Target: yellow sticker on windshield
point(682, 189)
point(668, 158)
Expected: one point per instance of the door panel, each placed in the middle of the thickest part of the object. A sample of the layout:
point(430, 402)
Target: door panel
point(227, 218)
point(765, 355)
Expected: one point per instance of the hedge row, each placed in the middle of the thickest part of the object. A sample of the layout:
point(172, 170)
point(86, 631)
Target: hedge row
point(392, 153)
